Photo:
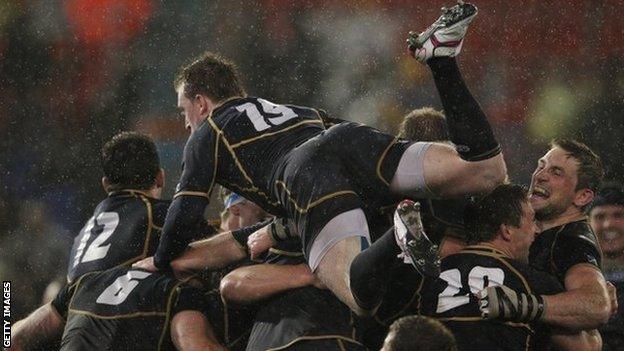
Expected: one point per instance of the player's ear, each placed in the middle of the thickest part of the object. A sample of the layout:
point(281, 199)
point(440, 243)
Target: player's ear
point(235, 210)
point(160, 178)
point(105, 184)
point(505, 232)
point(205, 104)
point(583, 197)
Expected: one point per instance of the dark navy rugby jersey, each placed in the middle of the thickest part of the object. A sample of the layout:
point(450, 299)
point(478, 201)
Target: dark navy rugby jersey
point(123, 309)
point(558, 249)
point(240, 146)
point(125, 227)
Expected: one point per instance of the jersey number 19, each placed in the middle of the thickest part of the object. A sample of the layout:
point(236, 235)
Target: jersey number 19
point(272, 114)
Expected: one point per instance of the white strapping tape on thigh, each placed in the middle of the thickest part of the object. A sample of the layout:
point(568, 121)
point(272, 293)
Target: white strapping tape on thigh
point(344, 225)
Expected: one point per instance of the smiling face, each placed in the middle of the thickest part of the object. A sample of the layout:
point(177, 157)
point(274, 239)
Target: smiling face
point(607, 221)
point(553, 185)
point(191, 110)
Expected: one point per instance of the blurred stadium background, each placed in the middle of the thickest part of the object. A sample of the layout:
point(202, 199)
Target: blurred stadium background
point(75, 72)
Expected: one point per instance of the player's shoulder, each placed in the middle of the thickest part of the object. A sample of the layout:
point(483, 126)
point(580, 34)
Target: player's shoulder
point(159, 209)
point(579, 230)
point(574, 240)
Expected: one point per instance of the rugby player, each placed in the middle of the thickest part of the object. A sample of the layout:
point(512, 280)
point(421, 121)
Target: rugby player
point(125, 227)
point(505, 229)
point(282, 158)
point(498, 254)
point(120, 309)
point(562, 188)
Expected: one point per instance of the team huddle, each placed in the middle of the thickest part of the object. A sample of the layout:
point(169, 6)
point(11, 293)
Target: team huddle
point(334, 235)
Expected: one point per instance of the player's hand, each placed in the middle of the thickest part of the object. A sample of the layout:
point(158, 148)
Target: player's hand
point(147, 264)
point(613, 297)
point(503, 303)
point(259, 242)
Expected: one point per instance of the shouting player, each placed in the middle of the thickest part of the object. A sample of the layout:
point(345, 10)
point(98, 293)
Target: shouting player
point(562, 187)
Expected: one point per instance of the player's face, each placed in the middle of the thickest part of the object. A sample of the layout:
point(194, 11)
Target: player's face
point(190, 110)
point(524, 234)
point(607, 221)
point(248, 213)
point(553, 185)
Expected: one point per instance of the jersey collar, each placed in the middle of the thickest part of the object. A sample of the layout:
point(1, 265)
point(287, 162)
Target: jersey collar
point(128, 192)
point(224, 104)
point(485, 247)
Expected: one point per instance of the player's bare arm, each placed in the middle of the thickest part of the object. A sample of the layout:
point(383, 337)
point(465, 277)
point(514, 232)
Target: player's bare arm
point(213, 253)
point(254, 283)
point(42, 327)
point(586, 303)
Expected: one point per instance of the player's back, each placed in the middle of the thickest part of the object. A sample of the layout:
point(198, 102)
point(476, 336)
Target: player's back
point(125, 227)
point(243, 141)
point(122, 309)
point(452, 298)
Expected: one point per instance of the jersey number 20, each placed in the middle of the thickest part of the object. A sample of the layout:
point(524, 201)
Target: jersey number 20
point(278, 114)
point(479, 278)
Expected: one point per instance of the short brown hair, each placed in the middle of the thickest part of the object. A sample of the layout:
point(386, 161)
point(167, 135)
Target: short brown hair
point(424, 124)
point(590, 170)
point(210, 75)
point(420, 333)
point(502, 206)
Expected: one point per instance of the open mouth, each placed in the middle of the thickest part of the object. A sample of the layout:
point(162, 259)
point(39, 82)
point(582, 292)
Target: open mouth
point(538, 191)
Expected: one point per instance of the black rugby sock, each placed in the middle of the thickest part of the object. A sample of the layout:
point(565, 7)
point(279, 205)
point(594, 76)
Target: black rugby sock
point(468, 125)
point(369, 271)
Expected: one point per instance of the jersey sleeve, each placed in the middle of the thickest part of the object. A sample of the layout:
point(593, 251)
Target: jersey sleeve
point(570, 251)
point(62, 299)
point(200, 163)
point(288, 252)
point(543, 283)
point(185, 216)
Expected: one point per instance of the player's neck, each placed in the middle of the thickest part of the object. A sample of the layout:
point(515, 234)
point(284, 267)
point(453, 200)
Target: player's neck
point(218, 104)
point(572, 214)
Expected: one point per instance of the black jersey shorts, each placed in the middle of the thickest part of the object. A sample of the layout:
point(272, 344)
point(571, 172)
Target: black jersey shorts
point(339, 170)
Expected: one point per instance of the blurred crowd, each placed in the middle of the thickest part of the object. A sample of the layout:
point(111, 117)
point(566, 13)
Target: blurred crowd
point(76, 72)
